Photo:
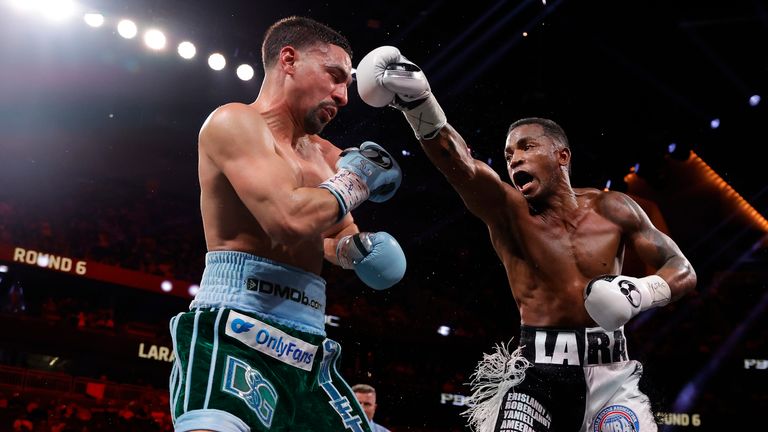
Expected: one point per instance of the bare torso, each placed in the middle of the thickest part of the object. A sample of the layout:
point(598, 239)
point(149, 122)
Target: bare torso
point(229, 225)
point(550, 260)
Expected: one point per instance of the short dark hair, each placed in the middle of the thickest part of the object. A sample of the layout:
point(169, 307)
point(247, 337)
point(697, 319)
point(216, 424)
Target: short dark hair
point(363, 388)
point(299, 32)
point(551, 129)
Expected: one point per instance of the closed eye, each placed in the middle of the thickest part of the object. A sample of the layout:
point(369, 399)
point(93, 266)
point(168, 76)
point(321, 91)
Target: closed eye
point(340, 76)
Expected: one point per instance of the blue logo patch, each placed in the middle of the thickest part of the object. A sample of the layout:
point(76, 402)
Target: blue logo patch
point(616, 418)
point(240, 326)
point(248, 384)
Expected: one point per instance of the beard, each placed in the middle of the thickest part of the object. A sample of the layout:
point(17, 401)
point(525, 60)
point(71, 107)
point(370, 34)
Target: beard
point(312, 123)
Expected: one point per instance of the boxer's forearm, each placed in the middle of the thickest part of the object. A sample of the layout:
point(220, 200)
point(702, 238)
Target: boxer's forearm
point(449, 153)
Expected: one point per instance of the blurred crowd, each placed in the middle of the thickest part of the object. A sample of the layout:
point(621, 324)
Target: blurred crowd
point(64, 413)
point(390, 338)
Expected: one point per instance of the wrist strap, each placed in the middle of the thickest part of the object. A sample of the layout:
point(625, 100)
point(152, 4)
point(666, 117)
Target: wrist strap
point(426, 119)
point(348, 188)
point(352, 249)
point(658, 292)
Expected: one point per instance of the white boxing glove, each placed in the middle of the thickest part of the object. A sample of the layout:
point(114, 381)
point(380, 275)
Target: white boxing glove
point(612, 300)
point(386, 77)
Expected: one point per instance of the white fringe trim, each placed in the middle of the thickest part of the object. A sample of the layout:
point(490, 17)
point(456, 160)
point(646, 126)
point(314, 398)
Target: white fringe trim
point(494, 376)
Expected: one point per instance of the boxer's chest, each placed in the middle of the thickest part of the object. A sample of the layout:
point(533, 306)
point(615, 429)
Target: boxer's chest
point(309, 164)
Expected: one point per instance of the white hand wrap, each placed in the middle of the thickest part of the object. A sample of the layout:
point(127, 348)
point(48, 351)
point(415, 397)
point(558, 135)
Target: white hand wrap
point(348, 188)
point(426, 119)
point(655, 292)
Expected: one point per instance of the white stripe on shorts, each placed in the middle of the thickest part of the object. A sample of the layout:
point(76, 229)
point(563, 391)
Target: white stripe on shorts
point(176, 376)
point(192, 343)
point(214, 352)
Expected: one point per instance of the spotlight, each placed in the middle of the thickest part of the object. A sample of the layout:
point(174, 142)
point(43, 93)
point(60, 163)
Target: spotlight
point(187, 50)
point(217, 62)
point(94, 19)
point(155, 39)
point(127, 29)
point(57, 9)
point(193, 289)
point(24, 5)
point(754, 100)
point(166, 286)
point(3, 269)
point(406, 153)
point(680, 151)
point(715, 123)
point(244, 72)
point(444, 330)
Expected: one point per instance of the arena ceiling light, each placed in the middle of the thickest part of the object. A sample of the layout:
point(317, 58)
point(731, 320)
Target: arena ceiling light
point(444, 330)
point(154, 39)
point(754, 100)
point(54, 9)
point(216, 61)
point(166, 286)
point(57, 10)
point(127, 29)
point(94, 19)
point(187, 50)
point(193, 289)
point(23, 5)
point(245, 72)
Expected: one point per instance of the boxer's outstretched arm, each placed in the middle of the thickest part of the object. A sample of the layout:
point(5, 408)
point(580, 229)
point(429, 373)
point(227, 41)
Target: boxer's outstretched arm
point(386, 77)
point(238, 141)
point(478, 184)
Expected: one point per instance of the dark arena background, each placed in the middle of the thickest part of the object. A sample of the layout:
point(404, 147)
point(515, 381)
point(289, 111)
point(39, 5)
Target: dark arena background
point(101, 240)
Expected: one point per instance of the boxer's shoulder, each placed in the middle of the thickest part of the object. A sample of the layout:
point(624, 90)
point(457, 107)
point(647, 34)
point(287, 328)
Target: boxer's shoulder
point(234, 123)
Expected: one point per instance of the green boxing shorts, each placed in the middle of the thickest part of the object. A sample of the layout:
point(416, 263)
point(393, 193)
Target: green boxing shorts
point(239, 369)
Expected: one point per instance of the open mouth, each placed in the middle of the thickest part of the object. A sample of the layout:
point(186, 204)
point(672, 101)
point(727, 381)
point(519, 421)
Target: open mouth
point(521, 178)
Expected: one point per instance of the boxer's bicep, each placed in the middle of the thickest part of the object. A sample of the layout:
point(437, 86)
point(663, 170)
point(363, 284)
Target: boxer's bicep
point(244, 151)
point(651, 245)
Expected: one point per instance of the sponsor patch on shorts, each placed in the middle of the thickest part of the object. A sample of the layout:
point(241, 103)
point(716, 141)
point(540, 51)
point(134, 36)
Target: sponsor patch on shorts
point(249, 384)
point(616, 418)
point(271, 341)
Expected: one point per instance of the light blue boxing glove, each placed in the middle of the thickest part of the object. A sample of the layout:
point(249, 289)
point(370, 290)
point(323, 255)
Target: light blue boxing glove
point(377, 258)
point(368, 172)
